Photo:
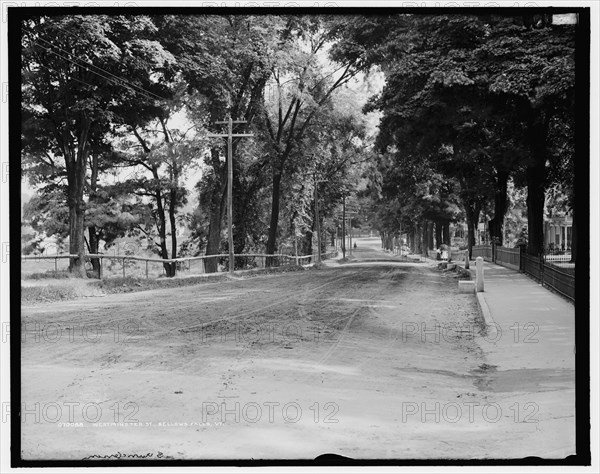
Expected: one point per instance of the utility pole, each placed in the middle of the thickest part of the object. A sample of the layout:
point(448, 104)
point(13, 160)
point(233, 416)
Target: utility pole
point(230, 135)
point(336, 238)
point(317, 223)
point(317, 218)
point(344, 227)
point(296, 242)
point(350, 235)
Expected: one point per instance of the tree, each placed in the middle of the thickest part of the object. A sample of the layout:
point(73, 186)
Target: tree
point(225, 63)
point(302, 89)
point(537, 68)
point(164, 155)
point(73, 93)
point(324, 163)
point(477, 73)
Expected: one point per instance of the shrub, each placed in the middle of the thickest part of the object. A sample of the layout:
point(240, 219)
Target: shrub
point(49, 274)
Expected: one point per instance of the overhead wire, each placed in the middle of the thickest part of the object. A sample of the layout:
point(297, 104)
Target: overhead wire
point(88, 64)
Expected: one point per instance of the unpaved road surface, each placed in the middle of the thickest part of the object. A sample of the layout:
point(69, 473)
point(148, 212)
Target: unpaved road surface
point(373, 359)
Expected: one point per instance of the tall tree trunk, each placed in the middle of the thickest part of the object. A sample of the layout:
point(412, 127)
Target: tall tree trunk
point(418, 242)
point(306, 242)
point(216, 213)
point(160, 221)
point(535, 209)
point(344, 227)
point(446, 232)
point(77, 229)
point(242, 206)
point(161, 224)
point(424, 237)
point(472, 211)
point(323, 238)
point(76, 167)
point(574, 237)
point(93, 249)
point(438, 233)
point(93, 236)
point(213, 241)
point(388, 241)
point(173, 201)
point(496, 225)
point(274, 222)
point(76, 164)
point(430, 236)
point(173, 224)
point(470, 237)
point(536, 182)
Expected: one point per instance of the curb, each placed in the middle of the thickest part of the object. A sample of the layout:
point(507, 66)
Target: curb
point(491, 327)
point(490, 324)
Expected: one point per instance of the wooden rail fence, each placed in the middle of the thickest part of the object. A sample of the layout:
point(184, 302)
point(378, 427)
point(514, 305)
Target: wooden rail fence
point(256, 260)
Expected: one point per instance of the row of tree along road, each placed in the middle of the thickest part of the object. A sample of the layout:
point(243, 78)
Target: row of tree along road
point(118, 113)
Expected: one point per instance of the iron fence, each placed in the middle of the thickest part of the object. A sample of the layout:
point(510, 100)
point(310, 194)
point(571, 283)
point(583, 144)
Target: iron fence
point(560, 281)
point(532, 265)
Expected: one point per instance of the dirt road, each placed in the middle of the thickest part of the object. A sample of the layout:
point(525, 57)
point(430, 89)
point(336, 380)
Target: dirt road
point(373, 359)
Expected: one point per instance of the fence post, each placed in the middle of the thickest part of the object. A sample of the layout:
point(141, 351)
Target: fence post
point(542, 261)
point(123, 267)
point(146, 269)
point(55, 266)
point(479, 274)
point(521, 259)
point(100, 269)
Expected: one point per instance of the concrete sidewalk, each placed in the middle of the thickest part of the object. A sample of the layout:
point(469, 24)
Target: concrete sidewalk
point(529, 351)
point(535, 327)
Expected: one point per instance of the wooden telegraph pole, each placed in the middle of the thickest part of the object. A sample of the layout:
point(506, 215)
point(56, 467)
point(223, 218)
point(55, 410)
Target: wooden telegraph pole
point(350, 213)
point(350, 234)
point(317, 223)
point(230, 136)
point(317, 218)
point(344, 227)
